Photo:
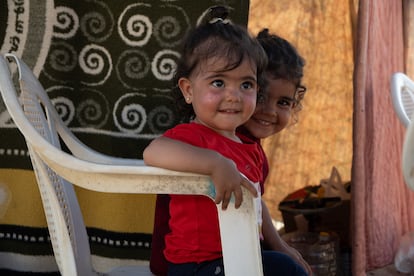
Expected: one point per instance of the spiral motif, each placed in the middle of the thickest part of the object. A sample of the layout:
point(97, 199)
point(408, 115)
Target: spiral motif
point(66, 24)
point(164, 64)
point(131, 67)
point(93, 110)
point(129, 115)
point(63, 105)
point(160, 119)
point(62, 57)
point(134, 26)
point(65, 108)
point(97, 26)
point(96, 62)
point(169, 30)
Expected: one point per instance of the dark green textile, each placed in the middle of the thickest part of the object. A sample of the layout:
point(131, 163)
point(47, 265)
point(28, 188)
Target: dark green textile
point(107, 65)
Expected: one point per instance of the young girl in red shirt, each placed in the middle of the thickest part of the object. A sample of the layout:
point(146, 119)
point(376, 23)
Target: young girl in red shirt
point(218, 78)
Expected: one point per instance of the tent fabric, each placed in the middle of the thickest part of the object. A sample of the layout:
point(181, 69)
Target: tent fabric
point(408, 14)
point(381, 209)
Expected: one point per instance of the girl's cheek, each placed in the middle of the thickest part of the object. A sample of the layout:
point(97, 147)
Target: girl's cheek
point(285, 115)
point(251, 100)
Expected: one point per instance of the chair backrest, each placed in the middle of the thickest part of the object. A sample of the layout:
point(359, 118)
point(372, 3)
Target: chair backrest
point(64, 218)
point(402, 94)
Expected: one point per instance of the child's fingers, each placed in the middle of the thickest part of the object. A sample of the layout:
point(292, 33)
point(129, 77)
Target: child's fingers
point(218, 198)
point(226, 200)
point(223, 198)
point(238, 198)
point(249, 186)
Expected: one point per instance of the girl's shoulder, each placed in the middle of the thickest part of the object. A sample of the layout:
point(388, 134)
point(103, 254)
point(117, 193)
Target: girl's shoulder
point(192, 133)
point(188, 127)
point(246, 136)
point(248, 139)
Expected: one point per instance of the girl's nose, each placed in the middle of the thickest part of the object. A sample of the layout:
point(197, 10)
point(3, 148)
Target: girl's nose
point(233, 94)
point(268, 108)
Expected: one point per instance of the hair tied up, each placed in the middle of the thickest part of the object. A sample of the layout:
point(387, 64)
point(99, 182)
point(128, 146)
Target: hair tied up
point(215, 14)
point(221, 20)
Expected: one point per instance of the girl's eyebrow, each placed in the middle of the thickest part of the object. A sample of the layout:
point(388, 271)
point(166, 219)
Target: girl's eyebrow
point(221, 75)
point(252, 78)
point(287, 98)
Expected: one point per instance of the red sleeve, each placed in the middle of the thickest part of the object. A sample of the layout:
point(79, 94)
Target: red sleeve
point(185, 133)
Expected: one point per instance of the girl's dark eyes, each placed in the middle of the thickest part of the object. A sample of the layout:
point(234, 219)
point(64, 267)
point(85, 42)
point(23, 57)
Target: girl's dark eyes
point(244, 85)
point(247, 85)
point(288, 104)
point(217, 83)
point(283, 103)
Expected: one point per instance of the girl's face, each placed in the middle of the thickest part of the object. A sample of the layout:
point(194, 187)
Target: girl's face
point(222, 100)
point(273, 113)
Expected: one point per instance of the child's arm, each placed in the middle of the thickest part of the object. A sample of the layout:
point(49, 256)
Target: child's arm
point(179, 156)
point(274, 242)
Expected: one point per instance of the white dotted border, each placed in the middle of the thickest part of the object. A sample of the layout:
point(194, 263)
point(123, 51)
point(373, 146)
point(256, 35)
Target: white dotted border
point(96, 239)
point(14, 152)
point(118, 243)
point(22, 237)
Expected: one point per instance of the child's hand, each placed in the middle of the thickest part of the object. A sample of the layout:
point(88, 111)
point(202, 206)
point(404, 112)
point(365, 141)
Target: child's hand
point(295, 255)
point(227, 181)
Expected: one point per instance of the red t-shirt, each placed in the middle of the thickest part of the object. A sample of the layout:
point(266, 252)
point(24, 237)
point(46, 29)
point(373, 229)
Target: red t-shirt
point(195, 235)
point(244, 131)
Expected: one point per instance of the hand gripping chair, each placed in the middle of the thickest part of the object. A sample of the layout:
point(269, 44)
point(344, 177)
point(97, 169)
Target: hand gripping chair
point(402, 92)
point(57, 171)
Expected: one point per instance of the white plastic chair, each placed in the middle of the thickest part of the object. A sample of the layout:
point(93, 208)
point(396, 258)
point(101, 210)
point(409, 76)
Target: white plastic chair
point(56, 171)
point(408, 155)
point(408, 145)
point(402, 94)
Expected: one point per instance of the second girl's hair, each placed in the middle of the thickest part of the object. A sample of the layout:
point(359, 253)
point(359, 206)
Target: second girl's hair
point(216, 37)
point(284, 62)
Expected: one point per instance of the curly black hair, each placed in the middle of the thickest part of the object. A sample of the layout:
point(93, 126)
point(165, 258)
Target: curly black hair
point(284, 62)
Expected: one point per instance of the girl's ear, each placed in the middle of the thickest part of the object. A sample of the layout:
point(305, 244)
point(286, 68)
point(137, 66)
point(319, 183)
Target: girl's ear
point(186, 89)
